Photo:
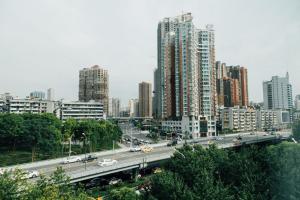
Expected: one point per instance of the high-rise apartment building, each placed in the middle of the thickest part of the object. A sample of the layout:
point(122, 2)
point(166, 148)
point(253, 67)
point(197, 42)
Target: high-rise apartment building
point(114, 107)
point(221, 74)
point(231, 92)
point(133, 105)
point(176, 79)
point(207, 77)
point(236, 79)
point(145, 99)
point(50, 94)
point(297, 102)
point(184, 81)
point(93, 85)
point(240, 74)
point(278, 93)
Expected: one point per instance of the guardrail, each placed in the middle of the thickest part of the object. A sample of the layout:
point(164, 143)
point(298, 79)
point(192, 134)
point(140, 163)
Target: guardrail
point(129, 164)
point(136, 163)
point(40, 164)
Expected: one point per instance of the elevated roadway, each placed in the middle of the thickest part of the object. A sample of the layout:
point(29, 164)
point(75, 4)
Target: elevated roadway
point(127, 160)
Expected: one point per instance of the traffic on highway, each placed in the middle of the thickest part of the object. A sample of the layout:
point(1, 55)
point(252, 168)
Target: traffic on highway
point(95, 164)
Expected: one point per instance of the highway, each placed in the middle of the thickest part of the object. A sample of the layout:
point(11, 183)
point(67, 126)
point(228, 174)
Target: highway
point(130, 160)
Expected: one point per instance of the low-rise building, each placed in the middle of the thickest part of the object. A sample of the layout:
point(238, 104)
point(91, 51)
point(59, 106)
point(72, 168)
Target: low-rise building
point(2, 104)
point(238, 119)
point(34, 106)
point(273, 119)
point(187, 125)
point(267, 119)
point(80, 110)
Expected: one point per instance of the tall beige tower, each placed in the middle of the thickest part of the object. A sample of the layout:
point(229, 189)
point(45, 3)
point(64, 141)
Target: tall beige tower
point(93, 85)
point(145, 99)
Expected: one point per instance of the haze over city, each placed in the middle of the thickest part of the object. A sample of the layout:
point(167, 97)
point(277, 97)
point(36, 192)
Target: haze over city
point(48, 42)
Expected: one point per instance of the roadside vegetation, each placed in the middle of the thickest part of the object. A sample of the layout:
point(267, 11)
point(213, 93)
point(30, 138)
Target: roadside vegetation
point(256, 172)
point(271, 172)
point(296, 130)
point(13, 186)
point(31, 137)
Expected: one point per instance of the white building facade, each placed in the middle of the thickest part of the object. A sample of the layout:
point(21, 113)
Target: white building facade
point(80, 110)
point(278, 93)
point(34, 106)
point(187, 125)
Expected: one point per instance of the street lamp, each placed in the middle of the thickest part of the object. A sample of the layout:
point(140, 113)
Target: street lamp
point(84, 150)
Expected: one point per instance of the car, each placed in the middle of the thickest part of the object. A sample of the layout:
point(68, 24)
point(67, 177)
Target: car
point(236, 141)
point(210, 142)
point(135, 149)
point(99, 181)
point(115, 181)
point(71, 159)
point(107, 162)
point(146, 149)
point(252, 133)
point(219, 138)
point(89, 158)
point(1, 171)
point(239, 137)
point(31, 174)
point(157, 170)
point(265, 134)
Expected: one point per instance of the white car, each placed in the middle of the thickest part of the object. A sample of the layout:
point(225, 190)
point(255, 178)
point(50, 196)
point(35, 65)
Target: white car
point(71, 159)
point(1, 171)
point(135, 149)
point(32, 174)
point(107, 162)
point(114, 181)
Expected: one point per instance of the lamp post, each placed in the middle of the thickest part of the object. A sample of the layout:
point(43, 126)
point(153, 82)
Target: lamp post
point(84, 150)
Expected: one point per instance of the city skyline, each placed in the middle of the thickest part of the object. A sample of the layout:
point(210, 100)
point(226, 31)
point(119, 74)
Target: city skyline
point(71, 40)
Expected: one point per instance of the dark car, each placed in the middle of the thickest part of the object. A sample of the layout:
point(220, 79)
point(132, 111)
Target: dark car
point(239, 137)
point(89, 158)
point(97, 182)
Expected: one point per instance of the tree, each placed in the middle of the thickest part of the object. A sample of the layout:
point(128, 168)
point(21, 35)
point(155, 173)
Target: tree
point(10, 185)
point(68, 130)
point(14, 186)
point(168, 185)
point(296, 130)
point(197, 169)
point(123, 193)
point(42, 132)
point(11, 128)
point(285, 171)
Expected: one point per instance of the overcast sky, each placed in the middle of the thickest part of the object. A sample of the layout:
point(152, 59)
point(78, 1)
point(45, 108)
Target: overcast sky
point(44, 43)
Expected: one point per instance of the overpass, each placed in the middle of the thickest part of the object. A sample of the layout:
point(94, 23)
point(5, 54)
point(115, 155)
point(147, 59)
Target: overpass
point(135, 160)
point(128, 118)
